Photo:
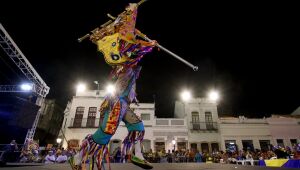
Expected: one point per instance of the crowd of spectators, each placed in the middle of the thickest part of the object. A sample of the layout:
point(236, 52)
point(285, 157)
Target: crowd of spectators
point(60, 155)
point(181, 156)
point(32, 153)
point(47, 156)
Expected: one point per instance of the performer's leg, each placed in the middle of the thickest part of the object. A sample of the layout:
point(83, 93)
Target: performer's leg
point(134, 138)
point(138, 151)
point(96, 144)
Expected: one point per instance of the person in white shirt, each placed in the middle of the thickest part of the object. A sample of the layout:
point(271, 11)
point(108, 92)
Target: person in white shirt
point(61, 157)
point(50, 158)
point(249, 158)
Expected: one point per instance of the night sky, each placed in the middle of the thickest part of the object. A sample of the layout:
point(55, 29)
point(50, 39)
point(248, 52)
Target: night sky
point(247, 51)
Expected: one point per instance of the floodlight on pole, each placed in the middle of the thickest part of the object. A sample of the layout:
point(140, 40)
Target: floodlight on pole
point(26, 87)
point(111, 89)
point(213, 95)
point(186, 95)
point(81, 87)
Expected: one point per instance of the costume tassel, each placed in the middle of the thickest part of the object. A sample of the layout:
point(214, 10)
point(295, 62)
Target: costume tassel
point(129, 142)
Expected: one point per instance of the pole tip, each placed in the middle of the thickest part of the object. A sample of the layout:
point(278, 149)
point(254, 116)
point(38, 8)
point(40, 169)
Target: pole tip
point(195, 68)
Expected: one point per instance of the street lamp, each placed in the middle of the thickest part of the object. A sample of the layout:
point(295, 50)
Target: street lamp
point(213, 95)
point(174, 142)
point(58, 140)
point(96, 82)
point(81, 87)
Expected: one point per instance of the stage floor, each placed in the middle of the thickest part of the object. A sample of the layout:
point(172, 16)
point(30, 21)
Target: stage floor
point(157, 166)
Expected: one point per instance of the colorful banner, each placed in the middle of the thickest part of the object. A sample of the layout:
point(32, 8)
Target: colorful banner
point(287, 163)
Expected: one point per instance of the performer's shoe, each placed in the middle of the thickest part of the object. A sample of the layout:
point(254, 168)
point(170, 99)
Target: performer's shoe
point(72, 163)
point(141, 163)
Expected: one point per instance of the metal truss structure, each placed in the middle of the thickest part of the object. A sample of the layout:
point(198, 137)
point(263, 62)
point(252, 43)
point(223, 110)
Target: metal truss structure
point(40, 88)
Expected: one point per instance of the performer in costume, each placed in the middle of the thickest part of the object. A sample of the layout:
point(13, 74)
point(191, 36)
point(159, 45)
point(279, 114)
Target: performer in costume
point(122, 50)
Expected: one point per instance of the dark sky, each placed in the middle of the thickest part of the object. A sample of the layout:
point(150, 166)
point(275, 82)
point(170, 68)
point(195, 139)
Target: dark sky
point(247, 51)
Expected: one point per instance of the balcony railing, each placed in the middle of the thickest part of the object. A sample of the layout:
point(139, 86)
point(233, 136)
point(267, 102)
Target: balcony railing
point(84, 123)
point(204, 126)
point(94, 123)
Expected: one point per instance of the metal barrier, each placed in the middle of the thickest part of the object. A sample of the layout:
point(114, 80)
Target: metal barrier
point(3, 147)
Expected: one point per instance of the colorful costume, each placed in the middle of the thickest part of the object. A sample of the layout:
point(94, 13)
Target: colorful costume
point(29, 152)
point(122, 50)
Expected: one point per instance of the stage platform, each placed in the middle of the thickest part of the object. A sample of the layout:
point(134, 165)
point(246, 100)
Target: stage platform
point(157, 166)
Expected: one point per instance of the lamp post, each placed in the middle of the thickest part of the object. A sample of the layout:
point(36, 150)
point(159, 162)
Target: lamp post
point(174, 142)
point(58, 140)
point(96, 82)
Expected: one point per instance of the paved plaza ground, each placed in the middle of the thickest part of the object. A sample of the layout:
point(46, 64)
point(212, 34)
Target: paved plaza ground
point(157, 166)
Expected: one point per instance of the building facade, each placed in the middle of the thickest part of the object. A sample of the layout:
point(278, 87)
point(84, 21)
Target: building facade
point(50, 122)
point(196, 126)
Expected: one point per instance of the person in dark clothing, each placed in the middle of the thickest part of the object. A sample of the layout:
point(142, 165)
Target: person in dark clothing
point(281, 154)
point(8, 155)
point(169, 156)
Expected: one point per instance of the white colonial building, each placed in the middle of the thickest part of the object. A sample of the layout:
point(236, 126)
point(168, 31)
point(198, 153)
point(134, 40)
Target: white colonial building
point(196, 126)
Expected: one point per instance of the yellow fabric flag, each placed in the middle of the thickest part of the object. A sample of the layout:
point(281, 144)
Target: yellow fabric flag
point(276, 162)
point(110, 48)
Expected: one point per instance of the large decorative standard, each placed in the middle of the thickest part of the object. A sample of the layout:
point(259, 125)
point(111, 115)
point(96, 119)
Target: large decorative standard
point(122, 47)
